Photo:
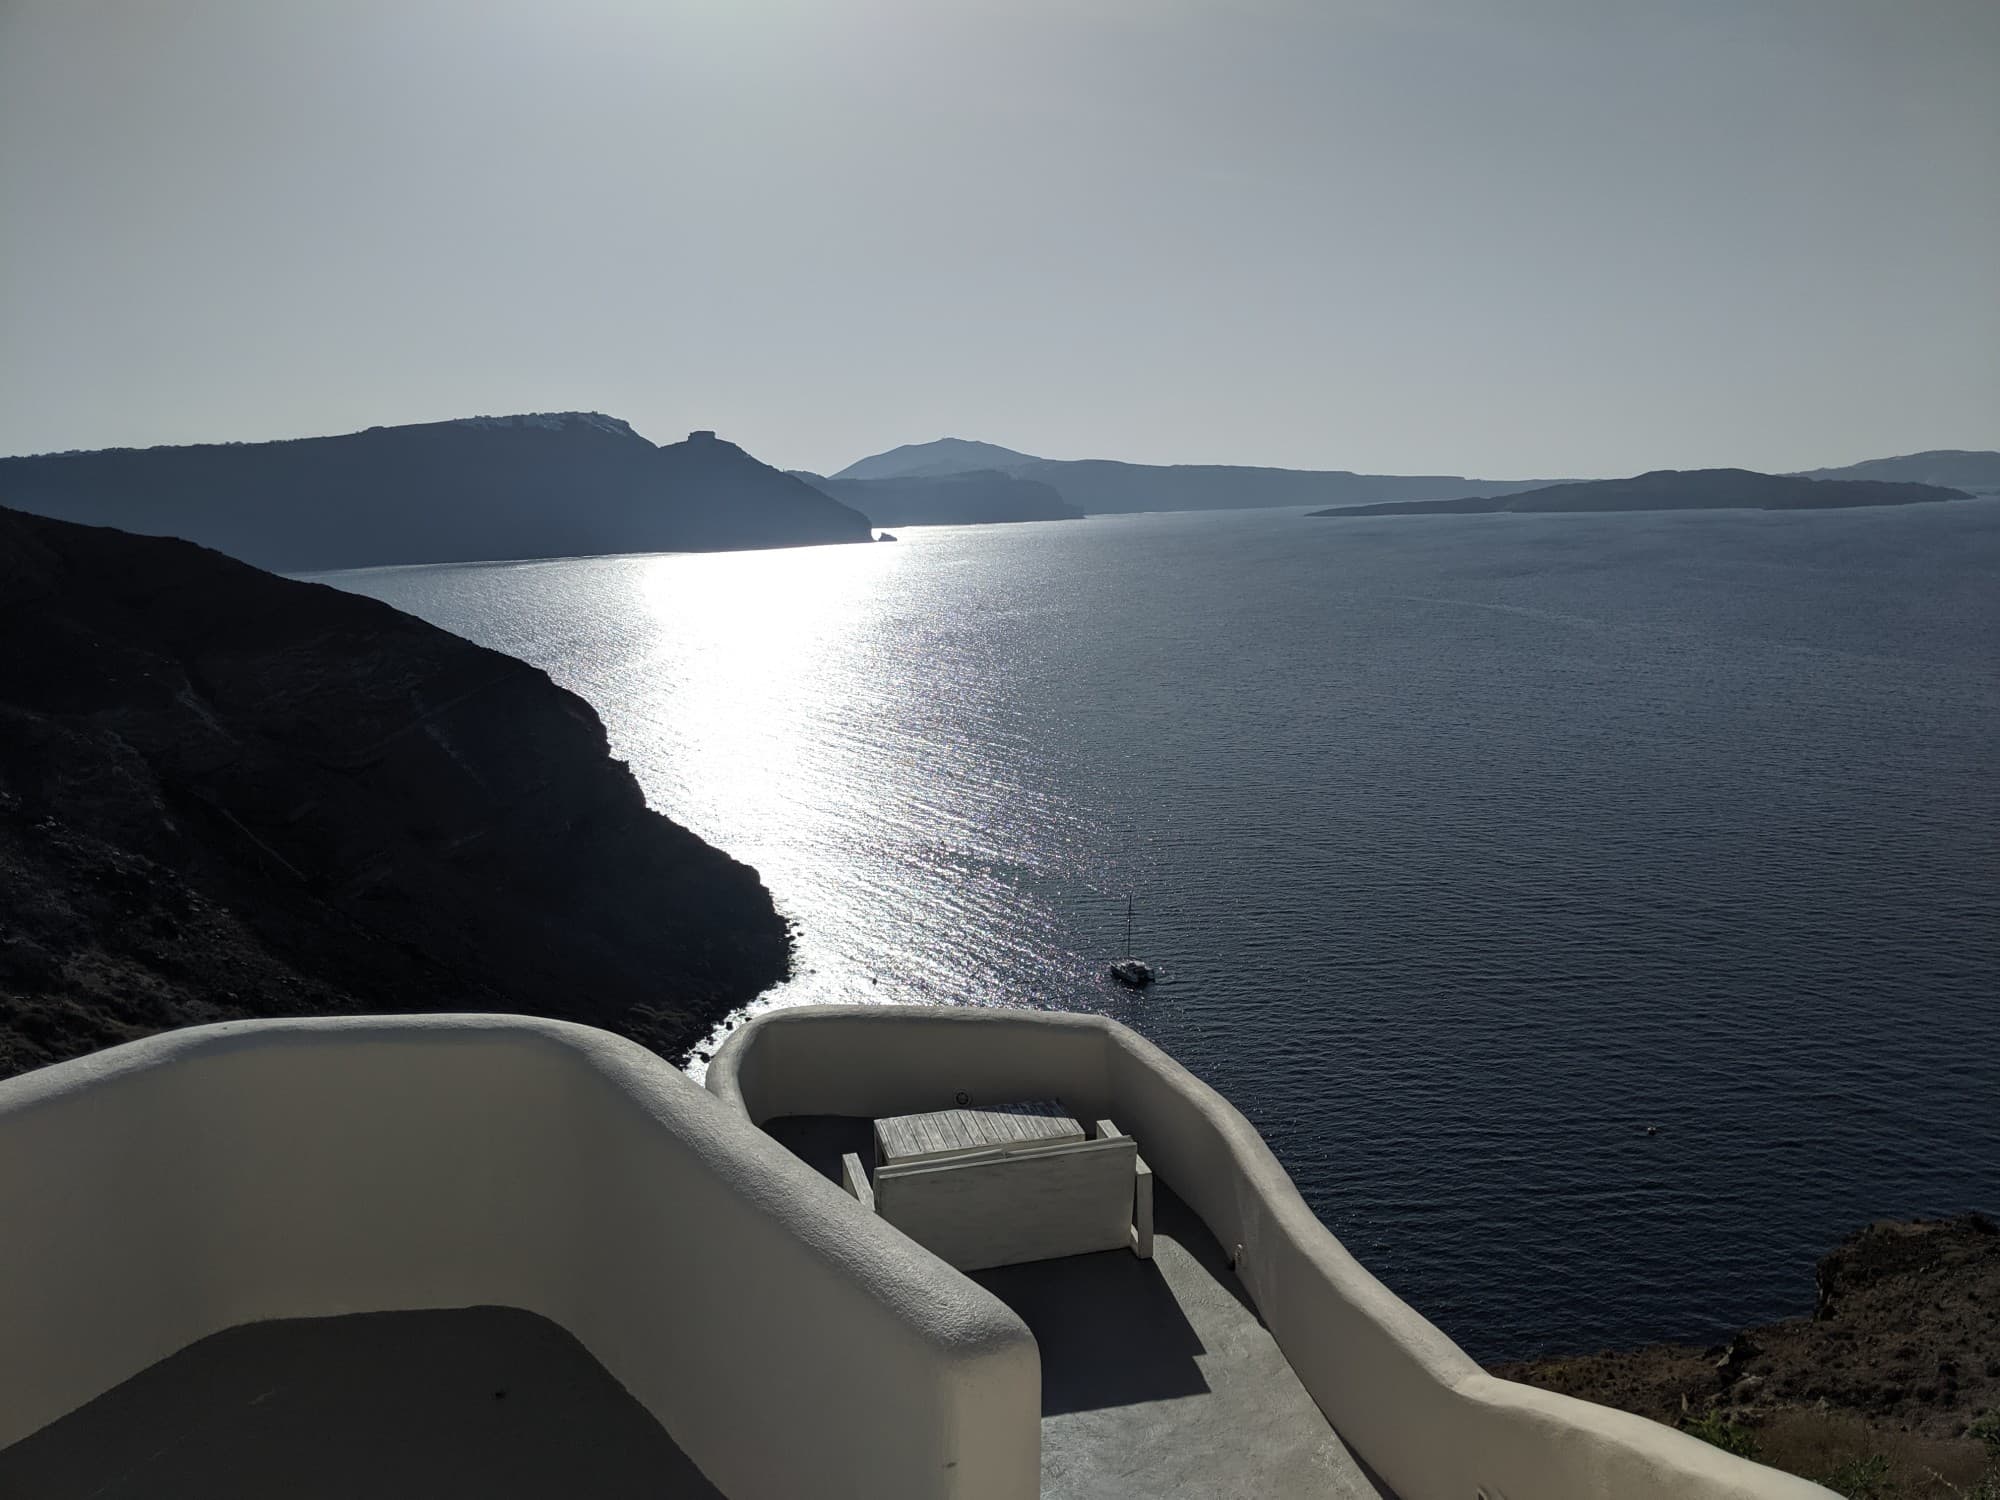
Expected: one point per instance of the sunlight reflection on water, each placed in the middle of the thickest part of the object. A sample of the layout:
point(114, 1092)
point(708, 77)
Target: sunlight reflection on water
point(1466, 847)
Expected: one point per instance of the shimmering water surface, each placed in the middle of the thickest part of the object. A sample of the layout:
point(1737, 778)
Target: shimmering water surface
point(1469, 848)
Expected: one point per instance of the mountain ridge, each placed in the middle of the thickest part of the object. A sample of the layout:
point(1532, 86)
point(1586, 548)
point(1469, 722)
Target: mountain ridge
point(938, 457)
point(974, 497)
point(1108, 486)
point(1100, 486)
point(1671, 489)
point(1959, 468)
point(467, 489)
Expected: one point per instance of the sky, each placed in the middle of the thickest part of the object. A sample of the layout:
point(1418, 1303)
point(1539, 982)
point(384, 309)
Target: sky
point(1503, 238)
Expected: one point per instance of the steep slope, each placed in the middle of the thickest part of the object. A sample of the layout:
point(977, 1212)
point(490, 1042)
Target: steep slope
point(1894, 1377)
point(227, 794)
point(1102, 486)
point(1673, 489)
point(976, 497)
point(1958, 468)
point(479, 488)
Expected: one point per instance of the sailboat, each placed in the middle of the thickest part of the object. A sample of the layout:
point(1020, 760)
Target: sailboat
point(1133, 973)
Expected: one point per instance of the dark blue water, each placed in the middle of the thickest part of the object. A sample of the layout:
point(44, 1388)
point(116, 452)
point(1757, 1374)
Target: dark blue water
point(1469, 847)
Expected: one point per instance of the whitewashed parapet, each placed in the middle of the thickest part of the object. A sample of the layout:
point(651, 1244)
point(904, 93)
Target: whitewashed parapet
point(1416, 1408)
point(164, 1190)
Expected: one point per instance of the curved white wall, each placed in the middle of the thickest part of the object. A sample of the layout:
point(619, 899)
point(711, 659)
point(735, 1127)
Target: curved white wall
point(1415, 1406)
point(167, 1189)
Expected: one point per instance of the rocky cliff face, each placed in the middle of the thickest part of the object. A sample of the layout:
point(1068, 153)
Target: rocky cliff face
point(562, 484)
point(226, 794)
point(1890, 1388)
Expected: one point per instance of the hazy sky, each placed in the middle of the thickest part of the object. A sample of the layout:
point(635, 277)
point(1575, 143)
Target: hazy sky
point(1492, 237)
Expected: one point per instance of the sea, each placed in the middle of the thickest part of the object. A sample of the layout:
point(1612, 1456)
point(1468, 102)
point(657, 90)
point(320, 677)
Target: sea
point(1599, 915)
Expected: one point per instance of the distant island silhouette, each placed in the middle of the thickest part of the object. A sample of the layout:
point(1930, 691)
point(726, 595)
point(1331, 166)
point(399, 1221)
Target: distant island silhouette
point(1108, 486)
point(945, 456)
point(1103, 486)
point(559, 484)
point(1957, 468)
point(568, 484)
point(1671, 489)
point(974, 497)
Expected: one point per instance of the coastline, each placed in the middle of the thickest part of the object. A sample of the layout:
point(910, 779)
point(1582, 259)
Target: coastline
point(227, 795)
point(1889, 1387)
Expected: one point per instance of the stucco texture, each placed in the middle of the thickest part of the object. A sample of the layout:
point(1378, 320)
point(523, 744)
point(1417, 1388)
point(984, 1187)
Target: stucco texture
point(174, 1187)
point(1414, 1407)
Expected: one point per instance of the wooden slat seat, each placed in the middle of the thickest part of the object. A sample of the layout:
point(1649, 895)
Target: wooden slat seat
point(998, 1184)
point(946, 1133)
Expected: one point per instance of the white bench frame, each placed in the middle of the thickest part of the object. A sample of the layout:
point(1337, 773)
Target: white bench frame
point(1006, 1206)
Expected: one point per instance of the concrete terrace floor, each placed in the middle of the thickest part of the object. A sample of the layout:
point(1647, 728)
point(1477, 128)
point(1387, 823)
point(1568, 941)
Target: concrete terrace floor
point(1159, 1382)
point(486, 1401)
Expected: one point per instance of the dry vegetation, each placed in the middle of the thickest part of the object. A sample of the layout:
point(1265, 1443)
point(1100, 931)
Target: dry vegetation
point(1889, 1391)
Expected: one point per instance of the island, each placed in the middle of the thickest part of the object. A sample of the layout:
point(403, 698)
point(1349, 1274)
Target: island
point(475, 489)
point(1670, 489)
point(225, 795)
point(975, 497)
point(1103, 486)
point(1972, 469)
point(1098, 486)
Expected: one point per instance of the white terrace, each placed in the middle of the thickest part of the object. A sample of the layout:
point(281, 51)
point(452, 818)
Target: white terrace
point(504, 1256)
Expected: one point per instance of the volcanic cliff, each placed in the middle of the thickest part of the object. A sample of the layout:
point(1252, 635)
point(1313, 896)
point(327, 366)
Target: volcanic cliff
point(226, 794)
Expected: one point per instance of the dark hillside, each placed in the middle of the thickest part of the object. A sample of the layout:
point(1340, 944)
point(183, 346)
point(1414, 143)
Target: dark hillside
point(226, 794)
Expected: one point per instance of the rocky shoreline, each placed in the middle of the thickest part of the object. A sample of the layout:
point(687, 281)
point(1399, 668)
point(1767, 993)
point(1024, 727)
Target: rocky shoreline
point(1889, 1388)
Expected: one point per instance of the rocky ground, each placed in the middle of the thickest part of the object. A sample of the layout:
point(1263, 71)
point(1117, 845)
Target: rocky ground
point(1890, 1388)
point(227, 794)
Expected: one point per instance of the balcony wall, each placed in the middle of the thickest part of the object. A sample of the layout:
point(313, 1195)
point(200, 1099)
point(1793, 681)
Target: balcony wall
point(1403, 1395)
point(164, 1190)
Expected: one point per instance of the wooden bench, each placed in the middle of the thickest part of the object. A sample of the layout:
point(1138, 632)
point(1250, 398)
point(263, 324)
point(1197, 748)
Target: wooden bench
point(1001, 1184)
